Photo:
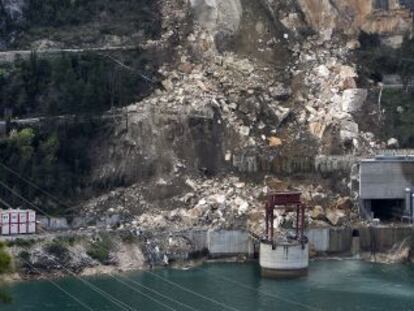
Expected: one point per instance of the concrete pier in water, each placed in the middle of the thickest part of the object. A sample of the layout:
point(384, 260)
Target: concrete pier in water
point(286, 254)
point(285, 260)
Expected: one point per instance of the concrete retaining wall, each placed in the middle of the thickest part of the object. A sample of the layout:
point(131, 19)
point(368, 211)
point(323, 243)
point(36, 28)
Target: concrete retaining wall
point(62, 223)
point(221, 242)
point(339, 240)
point(382, 239)
point(228, 242)
point(330, 240)
point(198, 239)
point(250, 162)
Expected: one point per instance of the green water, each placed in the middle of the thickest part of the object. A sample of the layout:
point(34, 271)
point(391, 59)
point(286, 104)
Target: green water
point(330, 285)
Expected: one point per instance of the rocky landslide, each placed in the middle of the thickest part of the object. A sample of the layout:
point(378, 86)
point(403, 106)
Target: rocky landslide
point(248, 86)
point(244, 87)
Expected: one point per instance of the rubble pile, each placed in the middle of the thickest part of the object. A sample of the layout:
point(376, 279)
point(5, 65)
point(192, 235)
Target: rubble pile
point(331, 97)
point(245, 94)
point(218, 203)
point(308, 106)
point(225, 202)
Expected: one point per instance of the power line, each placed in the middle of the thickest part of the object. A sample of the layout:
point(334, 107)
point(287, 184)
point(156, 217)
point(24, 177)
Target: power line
point(33, 185)
point(5, 204)
point(25, 200)
point(96, 289)
point(160, 294)
point(80, 302)
point(120, 303)
point(118, 62)
point(112, 299)
point(277, 297)
point(141, 293)
point(166, 280)
point(223, 305)
point(184, 288)
point(149, 289)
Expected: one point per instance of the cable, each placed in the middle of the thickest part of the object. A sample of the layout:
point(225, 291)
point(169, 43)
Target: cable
point(96, 289)
point(42, 212)
point(141, 293)
point(193, 292)
point(161, 295)
point(25, 200)
point(148, 288)
point(155, 275)
point(5, 204)
point(164, 296)
point(259, 291)
point(93, 287)
point(168, 281)
point(120, 303)
point(118, 62)
point(61, 288)
point(33, 185)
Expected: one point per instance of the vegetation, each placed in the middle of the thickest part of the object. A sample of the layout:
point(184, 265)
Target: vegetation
point(399, 106)
point(26, 243)
point(55, 153)
point(128, 237)
point(55, 157)
point(100, 249)
point(58, 250)
point(69, 84)
point(5, 266)
point(377, 61)
point(74, 22)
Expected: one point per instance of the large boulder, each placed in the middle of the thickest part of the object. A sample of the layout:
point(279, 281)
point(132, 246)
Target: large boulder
point(218, 15)
point(345, 203)
point(318, 213)
point(349, 130)
point(336, 217)
point(353, 99)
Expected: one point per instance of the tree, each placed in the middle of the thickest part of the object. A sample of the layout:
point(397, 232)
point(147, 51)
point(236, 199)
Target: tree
point(5, 266)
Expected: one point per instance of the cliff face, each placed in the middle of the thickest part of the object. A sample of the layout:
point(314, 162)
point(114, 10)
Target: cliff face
point(388, 18)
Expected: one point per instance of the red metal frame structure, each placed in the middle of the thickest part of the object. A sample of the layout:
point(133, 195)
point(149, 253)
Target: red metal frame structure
point(286, 201)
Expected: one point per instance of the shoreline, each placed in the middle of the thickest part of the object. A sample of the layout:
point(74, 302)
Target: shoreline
point(190, 248)
point(101, 271)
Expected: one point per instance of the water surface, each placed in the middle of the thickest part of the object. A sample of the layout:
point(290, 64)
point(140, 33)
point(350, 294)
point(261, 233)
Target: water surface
point(330, 285)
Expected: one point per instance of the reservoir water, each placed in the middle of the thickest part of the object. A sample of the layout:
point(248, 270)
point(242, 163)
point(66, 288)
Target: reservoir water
point(330, 285)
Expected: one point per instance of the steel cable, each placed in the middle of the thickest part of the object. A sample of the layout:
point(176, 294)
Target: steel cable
point(80, 302)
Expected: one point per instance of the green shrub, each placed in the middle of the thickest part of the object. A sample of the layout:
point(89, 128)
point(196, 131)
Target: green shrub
point(5, 259)
point(128, 237)
point(21, 243)
point(100, 249)
point(5, 266)
point(25, 256)
point(58, 249)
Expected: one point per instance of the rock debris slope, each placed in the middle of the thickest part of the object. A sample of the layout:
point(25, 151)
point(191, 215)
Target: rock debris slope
point(247, 89)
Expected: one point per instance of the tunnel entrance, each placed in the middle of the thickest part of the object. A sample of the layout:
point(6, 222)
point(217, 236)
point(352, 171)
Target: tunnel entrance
point(387, 210)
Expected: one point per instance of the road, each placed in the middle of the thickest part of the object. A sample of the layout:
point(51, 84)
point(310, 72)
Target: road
point(10, 56)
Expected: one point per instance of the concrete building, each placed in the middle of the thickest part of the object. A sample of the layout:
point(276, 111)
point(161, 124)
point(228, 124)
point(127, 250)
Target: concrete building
point(387, 187)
